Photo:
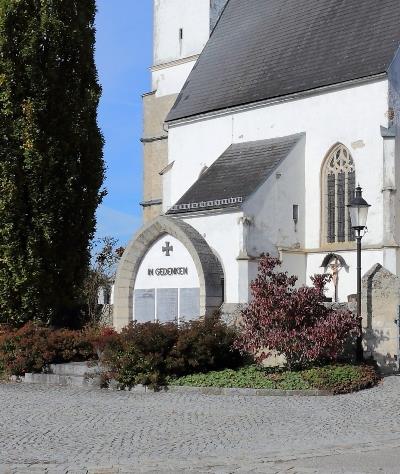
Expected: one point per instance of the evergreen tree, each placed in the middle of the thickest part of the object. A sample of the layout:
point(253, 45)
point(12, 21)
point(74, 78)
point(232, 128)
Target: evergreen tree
point(51, 161)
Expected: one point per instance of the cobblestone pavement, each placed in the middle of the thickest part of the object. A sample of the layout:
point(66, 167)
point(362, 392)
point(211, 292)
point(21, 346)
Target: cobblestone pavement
point(60, 430)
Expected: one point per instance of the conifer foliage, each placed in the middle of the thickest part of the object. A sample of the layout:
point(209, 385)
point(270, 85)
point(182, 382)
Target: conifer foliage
point(51, 161)
point(292, 321)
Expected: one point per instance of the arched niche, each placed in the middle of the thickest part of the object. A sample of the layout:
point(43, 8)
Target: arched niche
point(208, 268)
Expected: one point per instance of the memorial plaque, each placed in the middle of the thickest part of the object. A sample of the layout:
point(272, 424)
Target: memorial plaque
point(189, 303)
point(145, 305)
point(167, 304)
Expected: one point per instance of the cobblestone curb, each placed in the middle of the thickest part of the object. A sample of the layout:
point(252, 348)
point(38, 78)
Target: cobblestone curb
point(250, 392)
point(242, 392)
point(43, 379)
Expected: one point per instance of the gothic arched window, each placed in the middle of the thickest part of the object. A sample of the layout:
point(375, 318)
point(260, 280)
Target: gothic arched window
point(339, 183)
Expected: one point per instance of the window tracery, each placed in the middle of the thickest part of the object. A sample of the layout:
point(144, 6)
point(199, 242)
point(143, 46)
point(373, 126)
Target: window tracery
point(339, 180)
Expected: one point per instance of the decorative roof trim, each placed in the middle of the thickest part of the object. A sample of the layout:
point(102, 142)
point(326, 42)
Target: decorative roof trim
point(278, 100)
point(206, 212)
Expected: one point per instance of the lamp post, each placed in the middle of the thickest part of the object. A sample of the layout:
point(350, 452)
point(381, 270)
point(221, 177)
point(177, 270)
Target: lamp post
point(358, 209)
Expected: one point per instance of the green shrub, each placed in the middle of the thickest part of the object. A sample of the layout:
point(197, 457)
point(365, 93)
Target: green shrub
point(342, 378)
point(333, 378)
point(246, 377)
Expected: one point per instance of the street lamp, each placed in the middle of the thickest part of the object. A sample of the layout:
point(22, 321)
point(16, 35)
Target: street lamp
point(358, 209)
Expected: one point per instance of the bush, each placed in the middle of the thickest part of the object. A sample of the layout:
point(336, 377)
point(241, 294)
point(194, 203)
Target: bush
point(100, 338)
point(33, 347)
point(141, 354)
point(245, 377)
point(292, 321)
point(343, 378)
point(151, 353)
point(332, 378)
point(205, 345)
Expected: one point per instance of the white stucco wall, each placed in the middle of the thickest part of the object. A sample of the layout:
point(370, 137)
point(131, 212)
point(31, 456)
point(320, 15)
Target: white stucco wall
point(170, 80)
point(201, 147)
point(271, 206)
point(192, 16)
point(223, 234)
point(352, 116)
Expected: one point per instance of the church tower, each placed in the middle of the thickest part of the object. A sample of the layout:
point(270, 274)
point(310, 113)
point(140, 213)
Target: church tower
point(181, 30)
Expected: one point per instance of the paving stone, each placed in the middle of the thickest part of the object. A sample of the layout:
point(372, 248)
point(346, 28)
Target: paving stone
point(56, 430)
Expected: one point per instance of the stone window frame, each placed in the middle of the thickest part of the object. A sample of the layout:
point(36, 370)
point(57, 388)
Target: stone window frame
point(338, 182)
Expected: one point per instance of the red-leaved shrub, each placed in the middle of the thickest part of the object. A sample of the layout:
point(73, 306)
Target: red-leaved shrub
point(292, 321)
point(33, 347)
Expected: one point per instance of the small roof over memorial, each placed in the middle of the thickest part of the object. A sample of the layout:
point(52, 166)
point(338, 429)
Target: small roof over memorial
point(235, 175)
point(265, 49)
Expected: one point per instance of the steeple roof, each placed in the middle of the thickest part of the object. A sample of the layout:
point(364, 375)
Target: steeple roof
point(265, 49)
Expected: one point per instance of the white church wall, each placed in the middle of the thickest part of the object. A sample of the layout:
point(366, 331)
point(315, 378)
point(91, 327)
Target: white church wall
point(271, 207)
point(171, 16)
point(170, 80)
point(352, 116)
point(222, 233)
point(202, 145)
point(295, 263)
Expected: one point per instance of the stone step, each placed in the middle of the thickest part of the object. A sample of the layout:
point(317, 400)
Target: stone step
point(78, 369)
point(62, 380)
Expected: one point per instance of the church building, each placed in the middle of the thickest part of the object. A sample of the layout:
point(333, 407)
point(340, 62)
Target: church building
point(263, 117)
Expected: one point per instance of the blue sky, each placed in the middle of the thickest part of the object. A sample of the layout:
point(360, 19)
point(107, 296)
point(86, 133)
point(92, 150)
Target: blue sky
point(123, 56)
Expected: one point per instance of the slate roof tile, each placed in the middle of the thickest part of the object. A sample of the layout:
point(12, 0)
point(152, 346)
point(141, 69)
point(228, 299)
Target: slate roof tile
point(237, 173)
point(264, 49)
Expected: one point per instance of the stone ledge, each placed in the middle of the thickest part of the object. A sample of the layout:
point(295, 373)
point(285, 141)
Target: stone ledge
point(76, 381)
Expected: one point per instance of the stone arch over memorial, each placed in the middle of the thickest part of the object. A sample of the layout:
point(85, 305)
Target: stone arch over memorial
point(209, 269)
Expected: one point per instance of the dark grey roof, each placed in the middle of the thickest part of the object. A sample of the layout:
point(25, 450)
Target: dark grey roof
point(263, 49)
point(216, 8)
point(235, 175)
